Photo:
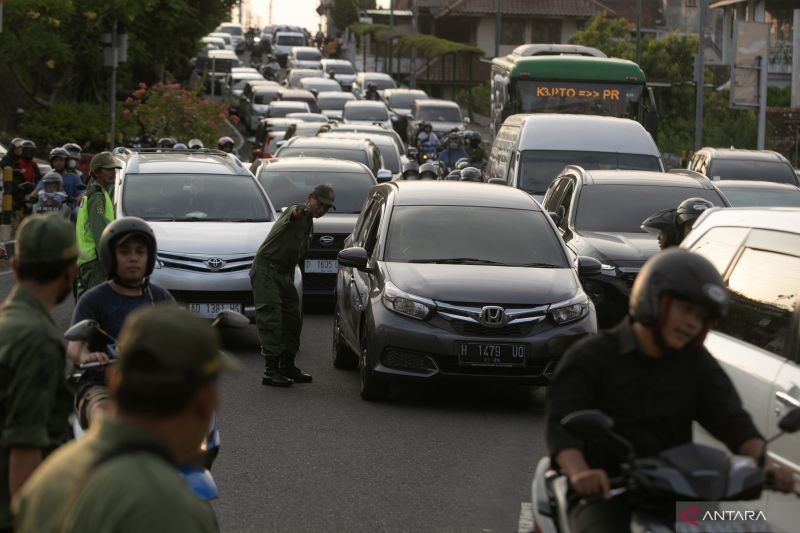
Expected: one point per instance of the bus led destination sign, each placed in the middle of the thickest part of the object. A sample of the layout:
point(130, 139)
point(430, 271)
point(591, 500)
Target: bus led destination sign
point(556, 91)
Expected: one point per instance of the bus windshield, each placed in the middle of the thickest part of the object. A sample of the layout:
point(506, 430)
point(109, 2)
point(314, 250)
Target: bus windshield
point(606, 99)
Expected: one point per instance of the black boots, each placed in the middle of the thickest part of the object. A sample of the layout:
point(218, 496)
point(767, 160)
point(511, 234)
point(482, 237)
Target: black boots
point(272, 375)
point(295, 374)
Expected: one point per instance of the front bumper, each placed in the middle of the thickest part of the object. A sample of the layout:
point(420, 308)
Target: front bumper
point(405, 348)
point(610, 294)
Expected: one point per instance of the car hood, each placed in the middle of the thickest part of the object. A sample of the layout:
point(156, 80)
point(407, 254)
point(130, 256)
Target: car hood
point(333, 222)
point(217, 238)
point(331, 113)
point(616, 247)
point(484, 284)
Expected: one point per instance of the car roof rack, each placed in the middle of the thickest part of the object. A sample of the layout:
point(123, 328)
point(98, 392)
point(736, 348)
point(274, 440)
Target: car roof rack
point(700, 177)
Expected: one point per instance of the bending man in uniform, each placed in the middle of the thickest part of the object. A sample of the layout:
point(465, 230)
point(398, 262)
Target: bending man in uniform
point(277, 303)
point(122, 476)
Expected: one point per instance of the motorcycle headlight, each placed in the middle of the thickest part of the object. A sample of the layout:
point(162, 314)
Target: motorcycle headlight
point(407, 304)
point(569, 310)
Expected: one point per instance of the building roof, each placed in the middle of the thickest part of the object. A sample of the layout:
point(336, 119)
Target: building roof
point(541, 8)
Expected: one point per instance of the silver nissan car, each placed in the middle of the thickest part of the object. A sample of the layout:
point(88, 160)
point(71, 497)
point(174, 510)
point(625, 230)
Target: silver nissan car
point(209, 215)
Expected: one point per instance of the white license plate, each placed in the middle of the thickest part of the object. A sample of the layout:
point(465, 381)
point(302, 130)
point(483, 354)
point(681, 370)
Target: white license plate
point(211, 310)
point(322, 266)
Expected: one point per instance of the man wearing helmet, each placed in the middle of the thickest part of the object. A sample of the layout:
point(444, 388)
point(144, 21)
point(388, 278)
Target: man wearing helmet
point(226, 144)
point(71, 183)
point(427, 137)
point(50, 196)
point(372, 92)
point(671, 226)
point(73, 158)
point(687, 212)
point(127, 251)
point(653, 377)
point(474, 147)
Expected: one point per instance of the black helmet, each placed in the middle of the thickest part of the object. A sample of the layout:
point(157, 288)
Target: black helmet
point(28, 149)
point(691, 209)
point(115, 232)
point(410, 169)
point(683, 274)
point(429, 171)
point(471, 174)
point(58, 152)
point(455, 175)
point(225, 141)
point(166, 142)
point(462, 163)
point(371, 86)
point(475, 138)
point(663, 220)
point(73, 149)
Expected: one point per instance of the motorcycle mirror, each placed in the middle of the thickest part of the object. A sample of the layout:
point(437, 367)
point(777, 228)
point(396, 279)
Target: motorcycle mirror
point(790, 423)
point(228, 318)
point(588, 423)
point(81, 331)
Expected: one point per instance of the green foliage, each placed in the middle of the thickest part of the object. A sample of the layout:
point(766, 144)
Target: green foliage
point(779, 96)
point(670, 58)
point(345, 12)
point(611, 35)
point(476, 99)
point(428, 46)
point(71, 121)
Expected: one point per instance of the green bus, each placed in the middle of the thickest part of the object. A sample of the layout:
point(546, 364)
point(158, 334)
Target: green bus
point(551, 78)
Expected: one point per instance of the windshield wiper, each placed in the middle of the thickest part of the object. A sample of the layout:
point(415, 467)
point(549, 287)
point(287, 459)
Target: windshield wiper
point(540, 265)
point(459, 261)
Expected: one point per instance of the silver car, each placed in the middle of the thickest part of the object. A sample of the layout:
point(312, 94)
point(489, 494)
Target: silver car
point(209, 215)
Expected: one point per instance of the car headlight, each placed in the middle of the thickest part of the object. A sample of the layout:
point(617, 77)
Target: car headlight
point(395, 118)
point(570, 310)
point(407, 304)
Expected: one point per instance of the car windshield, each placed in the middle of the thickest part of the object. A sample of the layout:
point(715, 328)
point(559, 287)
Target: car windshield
point(359, 156)
point(282, 111)
point(738, 169)
point(220, 64)
point(439, 114)
point(194, 197)
point(240, 84)
point(321, 86)
point(286, 188)
point(622, 208)
point(308, 55)
point(473, 235)
point(291, 40)
point(389, 154)
point(762, 198)
point(341, 69)
point(232, 30)
point(405, 100)
point(381, 83)
point(335, 104)
point(370, 113)
point(537, 168)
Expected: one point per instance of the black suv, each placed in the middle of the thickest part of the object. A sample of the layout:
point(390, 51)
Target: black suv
point(599, 214)
point(736, 164)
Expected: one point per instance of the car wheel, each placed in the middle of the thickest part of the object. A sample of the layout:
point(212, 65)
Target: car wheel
point(341, 354)
point(373, 389)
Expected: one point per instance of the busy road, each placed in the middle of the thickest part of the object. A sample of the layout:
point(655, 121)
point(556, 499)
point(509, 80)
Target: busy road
point(316, 457)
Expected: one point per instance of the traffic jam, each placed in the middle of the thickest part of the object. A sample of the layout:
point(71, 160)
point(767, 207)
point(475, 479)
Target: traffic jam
point(351, 222)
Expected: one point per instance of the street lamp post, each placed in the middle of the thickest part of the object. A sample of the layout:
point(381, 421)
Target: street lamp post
point(498, 22)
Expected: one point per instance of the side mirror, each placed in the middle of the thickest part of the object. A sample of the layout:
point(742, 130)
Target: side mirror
point(588, 266)
point(384, 175)
point(412, 152)
point(229, 318)
point(467, 120)
point(554, 215)
point(355, 257)
point(82, 331)
point(588, 423)
point(790, 423)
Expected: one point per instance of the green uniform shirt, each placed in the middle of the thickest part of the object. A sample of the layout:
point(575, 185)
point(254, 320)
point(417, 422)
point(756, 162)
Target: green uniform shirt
point(287, 241)
point(34, 400)
point(136, 492)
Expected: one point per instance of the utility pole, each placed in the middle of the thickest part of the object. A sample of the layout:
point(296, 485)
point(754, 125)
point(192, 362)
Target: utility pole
point(498, 24)
point(412, 82)
point(699, 77)
point(114, 54)
point(639, 31)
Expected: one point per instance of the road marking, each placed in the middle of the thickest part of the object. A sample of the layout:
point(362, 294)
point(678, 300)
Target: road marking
point(525, 518)
point(6, 272)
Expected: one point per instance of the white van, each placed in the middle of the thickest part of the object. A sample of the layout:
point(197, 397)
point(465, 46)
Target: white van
point(283, 44)
point(531, 149)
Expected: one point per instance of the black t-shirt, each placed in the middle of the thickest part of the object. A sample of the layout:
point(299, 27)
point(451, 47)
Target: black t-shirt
point(653, 402)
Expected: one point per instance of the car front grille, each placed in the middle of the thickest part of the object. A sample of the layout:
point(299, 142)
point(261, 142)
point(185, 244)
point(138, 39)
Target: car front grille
point(477, 330)
point(316, 246)
point(319, 283)
point(206, 263)
point(406, 360)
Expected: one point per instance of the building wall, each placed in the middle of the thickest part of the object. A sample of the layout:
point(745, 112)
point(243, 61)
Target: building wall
point(680, 17)
point(485, 38)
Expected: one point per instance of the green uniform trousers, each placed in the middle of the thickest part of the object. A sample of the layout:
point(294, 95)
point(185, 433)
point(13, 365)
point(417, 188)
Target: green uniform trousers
point(278, 317)
point(90, 275)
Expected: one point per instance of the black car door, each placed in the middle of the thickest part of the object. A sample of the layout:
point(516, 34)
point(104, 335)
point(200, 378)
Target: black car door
point(362, 283)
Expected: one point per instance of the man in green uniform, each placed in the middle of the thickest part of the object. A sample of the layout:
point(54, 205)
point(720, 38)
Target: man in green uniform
point(277, 303)
point(35, 401)
point(122, 476)
point(94, 214)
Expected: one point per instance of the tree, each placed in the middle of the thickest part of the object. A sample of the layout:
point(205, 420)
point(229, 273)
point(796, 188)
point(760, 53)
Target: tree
point(611, 35)
point(345, 12)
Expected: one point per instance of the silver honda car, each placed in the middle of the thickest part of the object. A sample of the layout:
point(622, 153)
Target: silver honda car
point(209, 215)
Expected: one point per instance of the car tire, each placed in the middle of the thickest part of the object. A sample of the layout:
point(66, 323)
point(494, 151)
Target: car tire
point(342, 356)
point(373, 388)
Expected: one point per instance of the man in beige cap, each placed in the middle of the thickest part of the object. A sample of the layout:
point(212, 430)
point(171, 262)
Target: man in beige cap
point(94, 214)
point(277, 303)
point(35, 402)
point(122, 475)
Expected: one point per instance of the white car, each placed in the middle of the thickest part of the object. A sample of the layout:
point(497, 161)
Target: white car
point(332, 104)
point(284, 42)
point(320, 85)
point(342, 70)
point(209, 215)
point(234, 30)
point(757, 250)
point(304, 57)
point(382, 81)
point(367, 112)
point(225, 37)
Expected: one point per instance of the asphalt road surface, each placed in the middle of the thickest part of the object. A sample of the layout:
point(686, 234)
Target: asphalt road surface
point(316, 457)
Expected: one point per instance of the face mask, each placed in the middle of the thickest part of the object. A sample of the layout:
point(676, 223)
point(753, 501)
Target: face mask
point(72, 163)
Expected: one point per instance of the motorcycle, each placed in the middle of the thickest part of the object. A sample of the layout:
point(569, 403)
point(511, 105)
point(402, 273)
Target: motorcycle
point(197, 476)
point(427, 152)
point(690, 472)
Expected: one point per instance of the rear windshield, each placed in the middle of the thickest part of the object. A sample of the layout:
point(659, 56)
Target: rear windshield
point(291, 40)
point(733, 169)
point(762, 198)
point(622, 208)
point(194, 197)
point(359, 156)
point(263, 98)
point(308, 55)
point(220, 64)
point(381, 83)
point(336, 104)
point(340, 69)
point(286, 188)
point(232, 30)
point(439, 114)
point(282, 111)
point(537, 168)
point(378, 114)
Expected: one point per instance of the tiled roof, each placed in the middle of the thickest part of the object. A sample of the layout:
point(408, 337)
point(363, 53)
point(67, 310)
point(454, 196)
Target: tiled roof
point(540, 8)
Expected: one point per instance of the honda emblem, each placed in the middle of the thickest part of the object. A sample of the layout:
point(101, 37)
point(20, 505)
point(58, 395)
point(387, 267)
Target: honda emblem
point(492, 315)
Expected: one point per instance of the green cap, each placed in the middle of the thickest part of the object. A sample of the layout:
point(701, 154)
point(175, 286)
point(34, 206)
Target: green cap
point(104, 160)
point(165, 344)
point(325, 194)
point(45, 239)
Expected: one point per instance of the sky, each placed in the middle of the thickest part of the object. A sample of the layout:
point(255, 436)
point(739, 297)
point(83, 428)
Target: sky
point(294, 12)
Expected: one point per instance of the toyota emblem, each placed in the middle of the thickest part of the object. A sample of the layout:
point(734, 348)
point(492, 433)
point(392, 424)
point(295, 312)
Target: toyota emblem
point(492, 315)
point(326, 240)
point(215, 263)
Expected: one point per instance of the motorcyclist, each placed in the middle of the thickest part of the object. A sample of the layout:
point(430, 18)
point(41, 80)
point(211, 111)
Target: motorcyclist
point(74, 151)
point(11, 157)
point(372, 92)
point(471, 174)
point(453, 151)
point(411, 171)
point(429, 171)
point(687, 212)
point(127, 251)
point(71, 185)
point(662, 224)
point(271, 68)
point(195, 144)
point(166, 142)
point(653, 377)
point(51, 198)
point(426, 136)
point(226, 144)
point(26, 164)
point(474, 147)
